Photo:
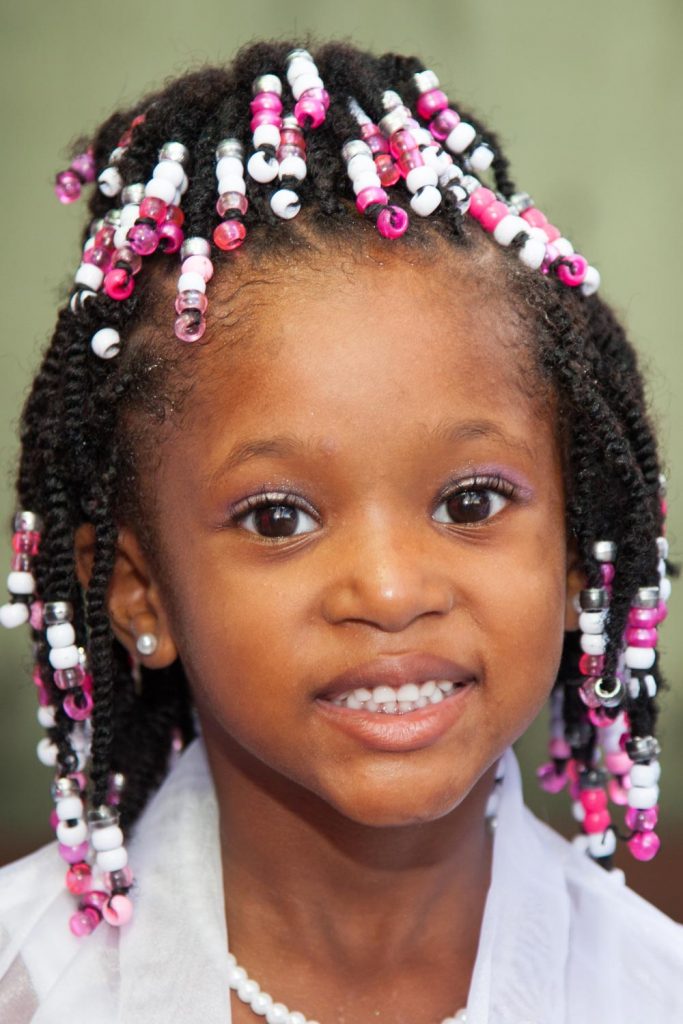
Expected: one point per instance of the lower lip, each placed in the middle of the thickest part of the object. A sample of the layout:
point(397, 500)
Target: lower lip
point(410, 731)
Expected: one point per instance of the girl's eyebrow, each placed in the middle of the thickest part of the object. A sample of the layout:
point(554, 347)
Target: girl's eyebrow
point(470, 430)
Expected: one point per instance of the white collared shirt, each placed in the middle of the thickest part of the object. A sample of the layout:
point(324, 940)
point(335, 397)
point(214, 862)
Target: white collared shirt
point(562, 941)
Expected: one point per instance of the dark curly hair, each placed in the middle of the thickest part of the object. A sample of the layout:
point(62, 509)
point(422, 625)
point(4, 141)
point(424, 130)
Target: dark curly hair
point(79, 457)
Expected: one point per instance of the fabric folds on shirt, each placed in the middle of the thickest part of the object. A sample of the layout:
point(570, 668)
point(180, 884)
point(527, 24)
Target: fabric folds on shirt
point(562, 941)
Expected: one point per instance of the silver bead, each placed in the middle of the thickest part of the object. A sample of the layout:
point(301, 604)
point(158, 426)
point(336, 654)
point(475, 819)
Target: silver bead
point(113, 217)
point(594, 600)
point(610, 692)
point(642, 749)
point(25, 522)
point(357, 112)
point(425, 81)
point(356, 147)
point(605, 550)
point(520, 202)
point(289, 121)
point(146, 643)
point(64, 787)
point(593, 778)
point(102, 817)
point(662, 547)
point(293, 54)
point(117, 782)
point(57, 611)
point(134, 193)
point(646, 597)
point(194, 247)
point(470, 183)
point(662, 485)
point(174, 151)
point(229, 147)
point(392, 122)
point(267, 83)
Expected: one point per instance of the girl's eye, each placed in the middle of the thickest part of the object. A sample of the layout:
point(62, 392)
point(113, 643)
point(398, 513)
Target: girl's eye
point(474, 501)
point(276, 517)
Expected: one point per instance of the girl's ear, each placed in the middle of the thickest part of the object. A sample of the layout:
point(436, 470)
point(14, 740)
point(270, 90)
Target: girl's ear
point(576, 582)
point(133, 597)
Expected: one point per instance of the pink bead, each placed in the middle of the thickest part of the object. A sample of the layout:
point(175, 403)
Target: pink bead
point(662, 611)
point(560, 749)
point(25, 543)
point(552, 232)
point(617, 794)
point(443, 124)
point(641, 637)
point(266, 101)
point(593, 800)
point(663, 507)
point(430, 103)
point(265, 117)
point(551, 254)
point(392, 222)
point(587, 693)
point(387, 170)
point(229, 235)
point(35, 616)
point(118, 911)
point(402, 142)
point(67, 678)
point(599, 719)
point(152, 208)
point(575, 790)
point(596, 821)
point(189, 326)
point(84, 166)
point(105, 236)
point(534, 217)
point(118, 284)
point(232, 201)
point(591, 664)
point(80, 780)
point(550, 780)
point(67, 186)
point(143, 239)
point(99, 257)
point(642, 821)
point(171, 237)
point(618, 763)
point(201, 265)
point(371, 134)
point(293, 137)
point(607, 570)
point(79, 878)
point(493, 214)
point(573, 272)
point(73, 854)
point(96, 899)
point(121, 879)
point(175, 215)
point(643, 618)
point(309, 112)
point(54, 820)
point(87, 683)
point(78, 706)
point(369, 196)
point(131, 261)
point(644, 845)
point(84, 922)
point(20, 563)
point(408, 161)
point(191, 300)
point(480, 199)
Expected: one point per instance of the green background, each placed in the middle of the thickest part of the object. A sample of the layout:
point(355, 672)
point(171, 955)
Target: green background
point(587, 100)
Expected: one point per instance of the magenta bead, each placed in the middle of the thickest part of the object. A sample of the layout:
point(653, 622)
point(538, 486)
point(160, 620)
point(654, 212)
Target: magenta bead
point(644, 845)
point(618, 762)
point(493, 213)
point(593, 800)
point(229, 235)
point(67, 186)
point(35, 616)
point(573, 272)
point(642, 820)
point(191, 300)
point(79, 878)
point(607, 570)
point(387, 170)
point(96, 899)
point(266, 101)
point(591, 664)
point(480, 199)
point(153, 208)
point(641, 637)
point(132, 262)
point(617, 794)
point(189, 326)
point(430, 103)
point(560, 749)
point(228, 201)
point(24, 544)
point(201, 265)
point(98, 256)
point(599, 719)
point(84, 165)
point(309, 112)
point(643, 618)
point(121, 879)
point(171, 237)
point(371, 134)
point(587, 693)
point(118, 284)
point(67, 678)
point(369, 196)
point(596, 821)
point(54, 820)
point(662, 611)
point(534, 217)
point(443, 124)
point(550, 780)
point(84, 922)
point(402, 142)
point(392, 222)
point(265, 117)
point(80, 780)
point(73, 854)
point(551, 254)
point(143, 239)
point(118, 911)
point(78, 706)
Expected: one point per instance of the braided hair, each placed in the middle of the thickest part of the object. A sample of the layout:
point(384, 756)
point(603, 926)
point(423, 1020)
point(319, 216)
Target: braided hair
point(79, 458)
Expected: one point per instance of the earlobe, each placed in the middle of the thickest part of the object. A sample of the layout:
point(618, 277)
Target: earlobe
point(134, 600)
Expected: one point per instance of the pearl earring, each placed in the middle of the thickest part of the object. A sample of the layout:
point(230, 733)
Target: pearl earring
point(146, 643)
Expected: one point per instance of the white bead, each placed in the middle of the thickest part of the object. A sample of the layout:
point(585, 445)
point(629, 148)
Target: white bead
point(461, 137)
point(160, 188)
point(425, 201)
point(651, 686)
point(420, 176)
point(266, 135)
point(69, 808)
point(369, 180)
point(14, 614)
point(108, 838)
point(120, 237)
point(285, 204)
point(300, 66)
point(110, 182)
point(169, 170)
point(639, 657)
point(633, 687)
point(106, 343)
point(232, 183)
point(261, 1003)
point(532, 253)
point(278, 1013)
point(62, 634)
point(305, 82)
point(578, 810)
point(564, 246)
point(593, 643)
point(72, 835)
point(643, 797)
point(646, 774)
point(297, 1018)
point(46, 717)
point(20, 582)
point(424, 138)
point(661, 567)
point(538, 233)
point(247, 989)
point(228, 165)
point(236, 975)
point(508, 228)
point(64, 657)
point(294, 167)
point(591, 281)
point(430, 155)
point(112, 860)
point(592, 622)
point(602, 845)
point(129, 214)
point(665, 588)
point(663, 547)
point(450, 173)
point(184, 185)
point(89, 275)
point(192, 281)
point(360, 164)
point(262, 168)
point(481, 159)
point(47, 752)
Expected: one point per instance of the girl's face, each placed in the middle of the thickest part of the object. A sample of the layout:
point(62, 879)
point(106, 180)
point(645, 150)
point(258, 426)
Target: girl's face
point(366, 486)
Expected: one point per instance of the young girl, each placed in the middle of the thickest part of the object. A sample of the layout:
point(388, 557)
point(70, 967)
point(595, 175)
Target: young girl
point(336, 469)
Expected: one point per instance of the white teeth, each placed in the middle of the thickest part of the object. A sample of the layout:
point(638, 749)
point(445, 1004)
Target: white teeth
point(401, 700)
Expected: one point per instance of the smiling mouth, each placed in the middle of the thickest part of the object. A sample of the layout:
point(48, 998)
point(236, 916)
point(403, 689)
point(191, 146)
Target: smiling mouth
point(401, 700)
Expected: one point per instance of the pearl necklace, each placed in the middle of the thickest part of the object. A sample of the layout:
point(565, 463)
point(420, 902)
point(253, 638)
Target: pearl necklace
point(251, 993)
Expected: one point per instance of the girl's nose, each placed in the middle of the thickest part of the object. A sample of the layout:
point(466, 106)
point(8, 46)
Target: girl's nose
point(388, 582)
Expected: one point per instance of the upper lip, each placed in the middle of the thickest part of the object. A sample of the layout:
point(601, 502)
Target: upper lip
point(395, 670)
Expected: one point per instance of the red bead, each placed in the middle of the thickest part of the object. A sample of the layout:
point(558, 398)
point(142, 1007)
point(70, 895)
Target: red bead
point(408, 161)
point(26, 543)
point(292, 137)
point(402, 142)
point(175, 215)
point(79, 878)
point(152, 208)
point(229, 235)
point(105, 237)
point(387, 170)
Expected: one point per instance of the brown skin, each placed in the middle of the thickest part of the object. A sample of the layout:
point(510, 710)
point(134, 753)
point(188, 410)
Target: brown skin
point(356, 878)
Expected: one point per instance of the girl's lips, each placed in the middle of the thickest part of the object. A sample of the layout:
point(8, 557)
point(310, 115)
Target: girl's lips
point(395, 670)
